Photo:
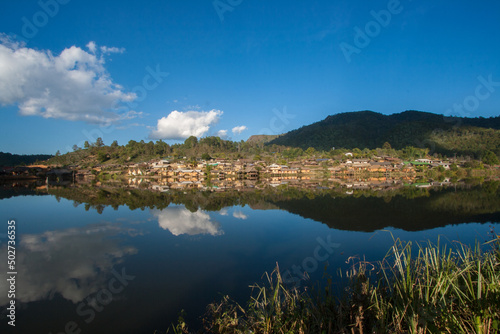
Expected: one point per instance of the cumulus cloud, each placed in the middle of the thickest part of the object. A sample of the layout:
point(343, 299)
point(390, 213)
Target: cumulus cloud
point(222, 133)
point(73, 85)
point(179, 220)
point(181, 125)
point(239, 215)
point(239, 129)
point(74, 262)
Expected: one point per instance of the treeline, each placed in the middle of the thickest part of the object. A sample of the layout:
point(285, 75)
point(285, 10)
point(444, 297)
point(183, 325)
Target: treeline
point(134, 151)
point(8, 159)
point(214, 147)
point(367, 129)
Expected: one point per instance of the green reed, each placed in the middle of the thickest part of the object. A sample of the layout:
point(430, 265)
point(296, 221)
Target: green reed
point(415, 289)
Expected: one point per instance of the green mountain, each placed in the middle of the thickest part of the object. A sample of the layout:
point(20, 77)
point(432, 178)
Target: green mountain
point(368, 129)
point(8, 159)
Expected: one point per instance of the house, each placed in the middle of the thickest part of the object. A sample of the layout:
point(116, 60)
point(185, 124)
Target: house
point(335, 169)
point(160, 164)
point(274, 168)
point(290, 170)
point(360, 161)
point(251, 173)
point(135, 171)
point(60, 173)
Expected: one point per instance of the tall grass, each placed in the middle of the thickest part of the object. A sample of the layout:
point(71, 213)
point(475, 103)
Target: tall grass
point(423, 289)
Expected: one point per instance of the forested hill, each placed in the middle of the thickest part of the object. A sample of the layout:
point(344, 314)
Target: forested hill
point(8, 159)
point(368, 129)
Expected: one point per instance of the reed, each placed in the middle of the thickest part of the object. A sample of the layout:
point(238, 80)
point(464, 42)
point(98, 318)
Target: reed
point(415, 289)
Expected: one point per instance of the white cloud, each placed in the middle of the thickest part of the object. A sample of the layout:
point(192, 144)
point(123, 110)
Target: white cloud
point(108, 50)
point(73, 85)
point(239, 129)
point(239, 215)
point(91, 46)
point(222, 134)
point(181, 125)
point(179, 220)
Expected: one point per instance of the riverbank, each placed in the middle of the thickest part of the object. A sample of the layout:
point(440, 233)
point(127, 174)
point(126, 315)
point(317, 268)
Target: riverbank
point(441, 289)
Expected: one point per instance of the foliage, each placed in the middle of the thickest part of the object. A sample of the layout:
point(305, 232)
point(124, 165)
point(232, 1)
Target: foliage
point(99, 142)
point(367, 129)
point(440, 290)
point(8, 159)
point(490, 158)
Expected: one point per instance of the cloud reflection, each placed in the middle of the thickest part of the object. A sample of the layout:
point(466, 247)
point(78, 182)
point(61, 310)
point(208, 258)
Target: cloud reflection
point(179, 220)
point(239, 215)
point(74, 262)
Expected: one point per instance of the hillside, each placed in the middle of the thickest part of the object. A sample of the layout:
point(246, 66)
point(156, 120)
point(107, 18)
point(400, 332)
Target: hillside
point(8, 159)
point(368, 129)
point(261, 139)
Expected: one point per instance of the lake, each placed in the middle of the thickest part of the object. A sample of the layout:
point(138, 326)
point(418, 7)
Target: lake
point(118, 259)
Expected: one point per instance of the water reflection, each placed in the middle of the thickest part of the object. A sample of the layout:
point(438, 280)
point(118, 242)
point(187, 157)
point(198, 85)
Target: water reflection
point(239, 215)
point(179, 220)
point(74, 262)
point(255, 228)
point(360, 208)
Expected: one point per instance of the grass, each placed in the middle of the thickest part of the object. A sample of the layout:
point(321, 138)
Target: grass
point(424, 289)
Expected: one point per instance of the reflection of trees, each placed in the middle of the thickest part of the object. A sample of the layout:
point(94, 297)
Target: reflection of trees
point(482, 200)
point(74, 262)
point(410, 208)
point(422, 209)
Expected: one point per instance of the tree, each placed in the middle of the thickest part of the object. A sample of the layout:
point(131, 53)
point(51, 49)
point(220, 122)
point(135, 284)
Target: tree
point(310, 151)
point(75, 148)
point(86, 145)
point(150, 148)
point(102, 156)
point(490, 158)
point(114, 144)
point(191, 142)
point(99, 142)
point(58, 153)
point(387, 146)
point(206, 156)
point(161, 148)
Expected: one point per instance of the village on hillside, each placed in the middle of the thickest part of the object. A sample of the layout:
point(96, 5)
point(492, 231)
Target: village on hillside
point(218, 174)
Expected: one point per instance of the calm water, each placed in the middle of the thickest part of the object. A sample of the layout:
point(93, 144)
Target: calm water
point(117, 261)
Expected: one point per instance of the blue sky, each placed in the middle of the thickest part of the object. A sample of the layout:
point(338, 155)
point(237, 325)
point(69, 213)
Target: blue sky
point(73, 70)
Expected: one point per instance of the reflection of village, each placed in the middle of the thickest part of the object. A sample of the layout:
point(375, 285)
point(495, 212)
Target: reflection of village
point(377, 173)
point(218, 175)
